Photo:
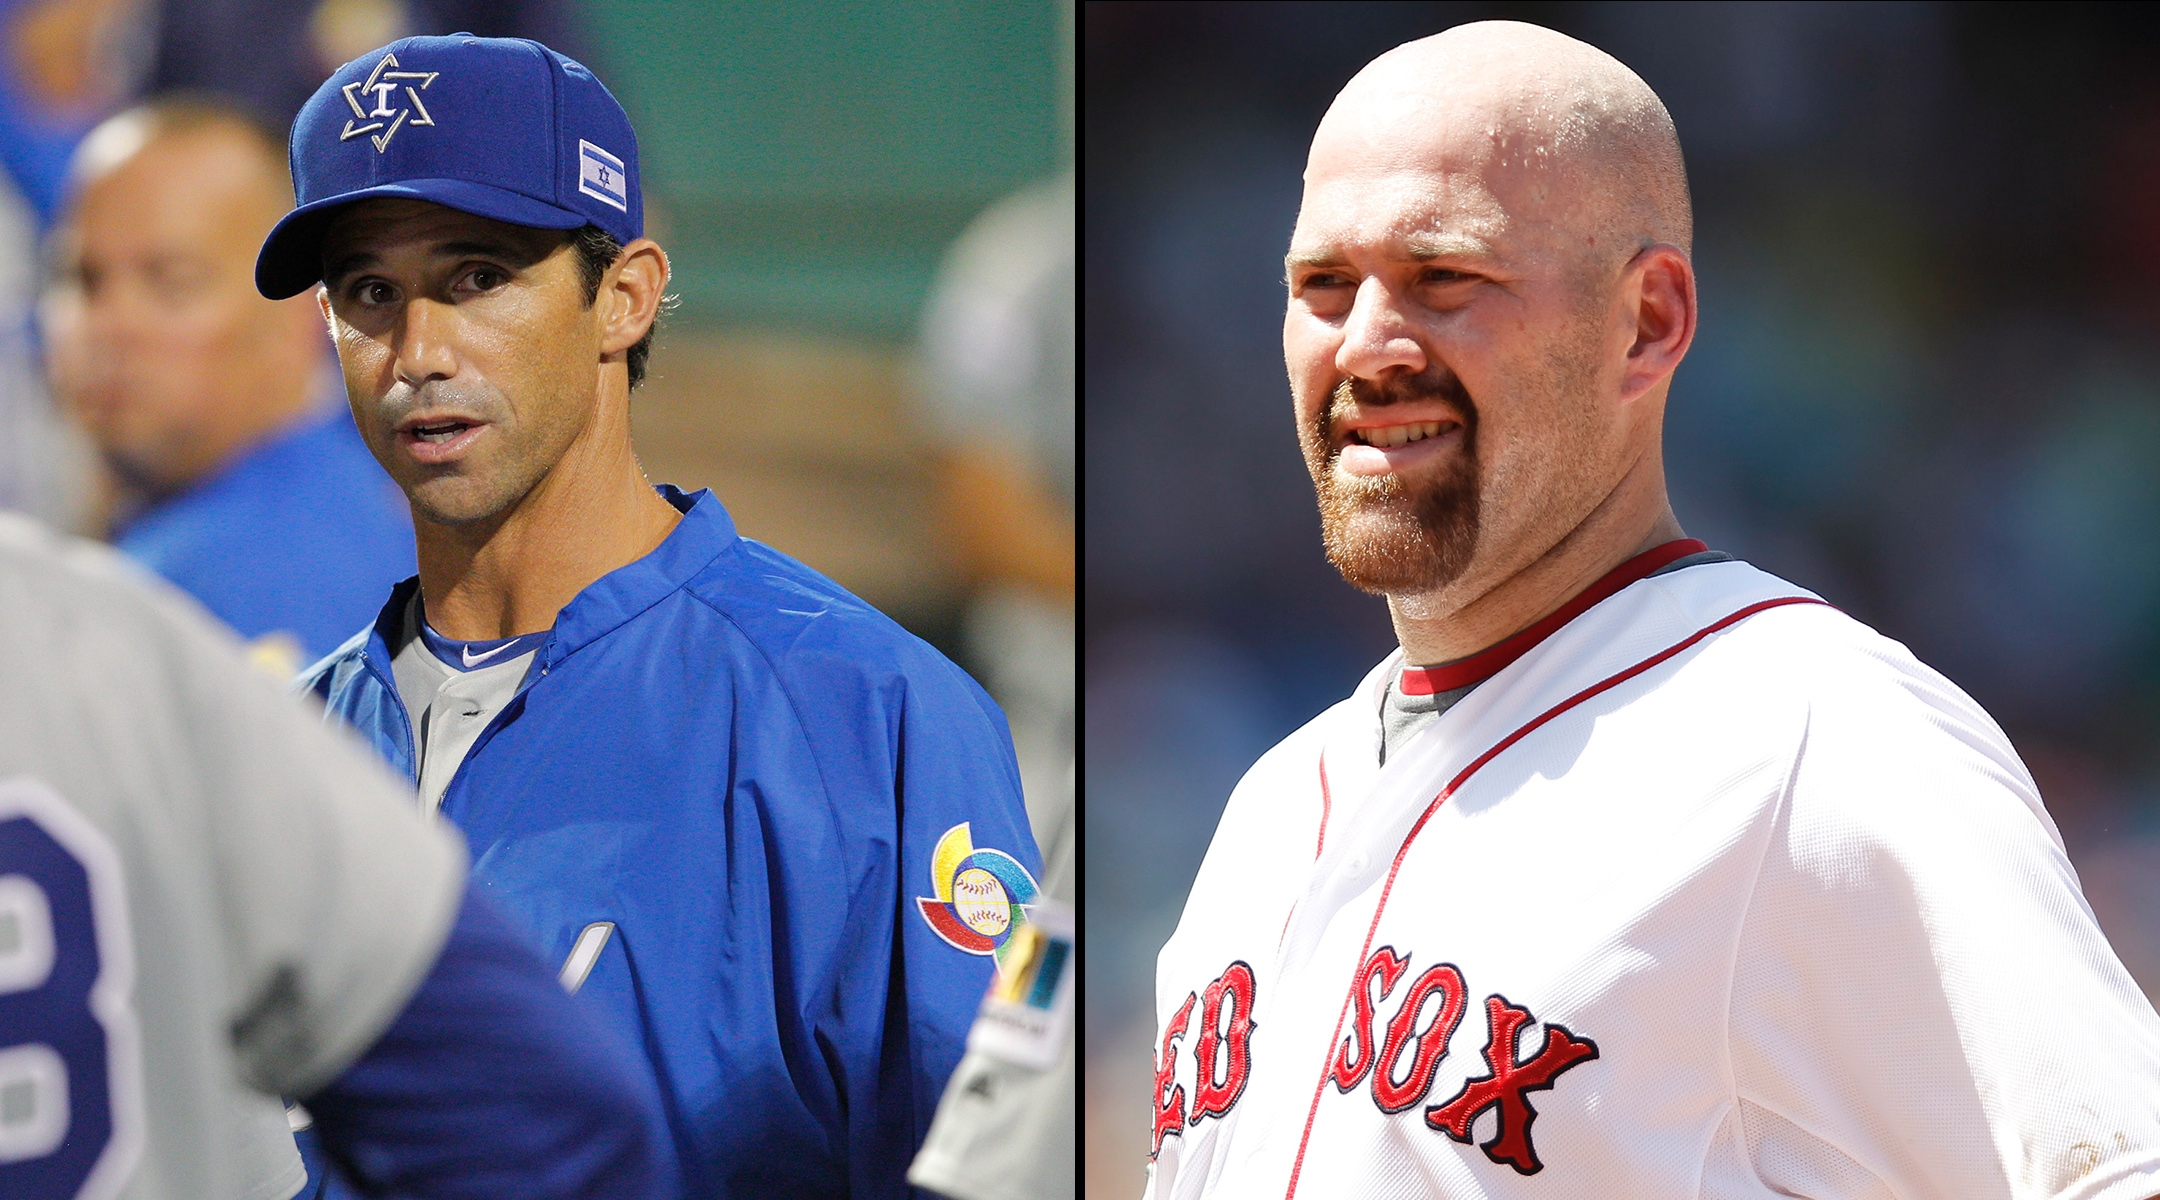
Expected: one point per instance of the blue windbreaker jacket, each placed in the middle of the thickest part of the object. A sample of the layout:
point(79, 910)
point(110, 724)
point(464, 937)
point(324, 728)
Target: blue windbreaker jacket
point(805, 823)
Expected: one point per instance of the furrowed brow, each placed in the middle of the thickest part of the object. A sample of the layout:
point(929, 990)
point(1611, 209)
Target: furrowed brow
point(1314, 259)
point(1423, 246)
point(1418, 247)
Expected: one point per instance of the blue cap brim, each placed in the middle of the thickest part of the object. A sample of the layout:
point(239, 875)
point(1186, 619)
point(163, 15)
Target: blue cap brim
point(291, 258)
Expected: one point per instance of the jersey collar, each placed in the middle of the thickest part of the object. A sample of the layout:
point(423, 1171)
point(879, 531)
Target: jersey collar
point(704, 532)
point(1486, 663)
point(476, 655)
point(610, 601)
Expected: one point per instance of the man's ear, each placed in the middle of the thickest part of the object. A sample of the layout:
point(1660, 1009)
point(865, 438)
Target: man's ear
point(1659, 291)
point(630, 293)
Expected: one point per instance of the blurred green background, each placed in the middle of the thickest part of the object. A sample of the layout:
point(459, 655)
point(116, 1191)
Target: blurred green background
point(807, 165)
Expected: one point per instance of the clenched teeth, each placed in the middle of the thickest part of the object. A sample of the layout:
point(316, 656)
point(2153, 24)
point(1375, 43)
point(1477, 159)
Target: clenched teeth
point(1386, 436)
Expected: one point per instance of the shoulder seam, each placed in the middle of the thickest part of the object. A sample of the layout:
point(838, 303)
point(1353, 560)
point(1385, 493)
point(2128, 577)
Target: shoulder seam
point(1741, 1098)
point(1747, 908)
point(779, 679)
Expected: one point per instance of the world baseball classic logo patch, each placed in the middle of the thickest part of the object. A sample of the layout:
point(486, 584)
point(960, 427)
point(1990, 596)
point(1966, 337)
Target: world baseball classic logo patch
point(982, 895)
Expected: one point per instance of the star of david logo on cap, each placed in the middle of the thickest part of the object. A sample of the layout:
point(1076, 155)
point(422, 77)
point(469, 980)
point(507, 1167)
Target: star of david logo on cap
point(383, 83)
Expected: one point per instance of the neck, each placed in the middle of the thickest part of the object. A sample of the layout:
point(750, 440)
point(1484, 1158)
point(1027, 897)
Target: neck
point(593, 512)
point(1444, 626)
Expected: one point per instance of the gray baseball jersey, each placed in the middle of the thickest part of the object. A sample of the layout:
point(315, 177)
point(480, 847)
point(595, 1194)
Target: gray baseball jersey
point(207, 897)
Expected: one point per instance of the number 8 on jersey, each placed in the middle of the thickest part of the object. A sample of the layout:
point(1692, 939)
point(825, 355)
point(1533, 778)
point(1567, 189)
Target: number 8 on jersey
point(70, 1121)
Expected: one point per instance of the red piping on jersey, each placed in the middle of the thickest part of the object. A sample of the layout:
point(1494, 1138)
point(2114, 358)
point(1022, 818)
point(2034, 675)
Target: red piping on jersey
point(1486, 663)
point(1609, 682)
point(1324, 806)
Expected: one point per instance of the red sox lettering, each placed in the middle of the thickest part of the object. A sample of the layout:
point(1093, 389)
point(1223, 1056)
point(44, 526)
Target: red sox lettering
point(1222, 1054)
point(1401, 1058)
point(1354, 1058)
point(1393, 1097)
point(1169, 1094)
point(1226, 1027)
point(1507, 1084)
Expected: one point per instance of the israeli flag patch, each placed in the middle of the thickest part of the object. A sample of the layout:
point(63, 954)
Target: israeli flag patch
point(600, 175)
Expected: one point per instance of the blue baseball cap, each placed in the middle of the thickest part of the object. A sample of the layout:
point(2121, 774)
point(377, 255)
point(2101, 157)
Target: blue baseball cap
point(498, 127)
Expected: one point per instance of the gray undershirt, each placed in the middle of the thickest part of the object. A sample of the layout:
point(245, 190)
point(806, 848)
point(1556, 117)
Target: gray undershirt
point(449, 707)
point(1403, 717)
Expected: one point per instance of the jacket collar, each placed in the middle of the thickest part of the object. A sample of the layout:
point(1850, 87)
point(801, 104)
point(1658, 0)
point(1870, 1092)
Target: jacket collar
point(610, 601)
point(704, 532)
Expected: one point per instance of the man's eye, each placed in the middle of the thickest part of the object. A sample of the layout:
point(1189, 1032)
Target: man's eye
point(176, 276)
point(486, 279)
point(376, 293)
point(1442, 275)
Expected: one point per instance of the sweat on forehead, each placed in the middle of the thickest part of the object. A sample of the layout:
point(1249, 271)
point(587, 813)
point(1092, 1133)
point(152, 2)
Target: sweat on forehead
point(1532, 118)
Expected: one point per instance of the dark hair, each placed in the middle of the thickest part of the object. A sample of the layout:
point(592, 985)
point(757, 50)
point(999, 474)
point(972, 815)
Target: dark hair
point(597, 250)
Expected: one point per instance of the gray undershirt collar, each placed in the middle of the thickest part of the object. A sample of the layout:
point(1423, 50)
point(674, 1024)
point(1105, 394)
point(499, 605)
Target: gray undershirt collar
point(449, 707)
point(1403, 716)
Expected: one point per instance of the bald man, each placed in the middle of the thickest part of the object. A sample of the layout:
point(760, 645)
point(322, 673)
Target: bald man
point(239, 474)
point(1636, 871)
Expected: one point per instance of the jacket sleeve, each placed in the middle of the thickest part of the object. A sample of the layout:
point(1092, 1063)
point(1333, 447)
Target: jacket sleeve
point(947, 872)
point(969, 872)
point(492, 1082)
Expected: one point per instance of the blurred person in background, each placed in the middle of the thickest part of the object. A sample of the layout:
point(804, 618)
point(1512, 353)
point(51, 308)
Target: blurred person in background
point(995, 388)
point(291, 46)
point(236, 470)
point(64, 64)
point(67, 64)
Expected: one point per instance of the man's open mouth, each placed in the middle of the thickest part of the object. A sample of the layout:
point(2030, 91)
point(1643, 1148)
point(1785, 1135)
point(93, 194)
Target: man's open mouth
point(439, 431)
point(1388, 436)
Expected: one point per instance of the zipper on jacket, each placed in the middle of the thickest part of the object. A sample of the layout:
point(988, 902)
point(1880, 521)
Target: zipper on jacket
point(412, 739)
point(487, 732)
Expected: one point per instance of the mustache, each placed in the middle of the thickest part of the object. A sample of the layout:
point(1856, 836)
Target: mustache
point(1433, 383)
point(404, 399)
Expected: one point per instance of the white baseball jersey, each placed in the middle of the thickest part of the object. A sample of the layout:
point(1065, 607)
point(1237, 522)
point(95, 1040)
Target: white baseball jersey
point(207, 898)
point(1713, 893)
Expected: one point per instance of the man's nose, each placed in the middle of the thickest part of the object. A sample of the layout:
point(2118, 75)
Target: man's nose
point(427, 347)
point(1376, 337)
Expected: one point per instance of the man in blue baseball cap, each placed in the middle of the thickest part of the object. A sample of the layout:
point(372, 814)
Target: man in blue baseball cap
point(772, 836)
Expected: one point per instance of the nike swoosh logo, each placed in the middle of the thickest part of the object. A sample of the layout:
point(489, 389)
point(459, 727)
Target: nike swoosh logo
point(474, 660)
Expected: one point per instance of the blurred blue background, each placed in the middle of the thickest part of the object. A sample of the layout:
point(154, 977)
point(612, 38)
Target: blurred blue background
point(1927, 386)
